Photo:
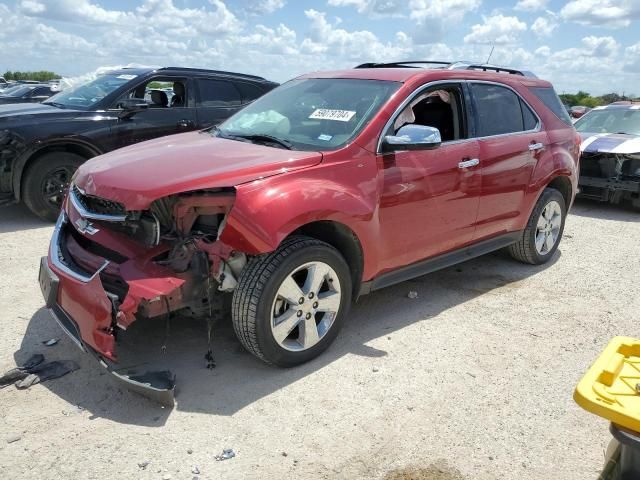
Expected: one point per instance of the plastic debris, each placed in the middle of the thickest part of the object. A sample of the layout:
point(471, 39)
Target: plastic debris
point(195, 470)
point(227, 453)
point(412, 294)
point(144, 465)
point(47, 371)
point(375, 369)
point(18, 373)
point(13, 438)
point(51, 343)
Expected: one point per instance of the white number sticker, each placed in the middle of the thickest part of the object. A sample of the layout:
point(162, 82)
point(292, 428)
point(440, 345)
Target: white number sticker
point(337, 115)
point(127, 77)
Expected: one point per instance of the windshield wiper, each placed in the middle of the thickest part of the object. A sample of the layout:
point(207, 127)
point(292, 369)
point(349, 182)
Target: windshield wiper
point(55, 104)
point(260, 137)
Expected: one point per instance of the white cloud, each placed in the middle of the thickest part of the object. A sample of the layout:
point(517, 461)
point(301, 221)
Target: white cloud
point(603, 13)
point(531, 5)
point(632, 58)
point(263, 7)
point(375, 8)
point(496, 30)
point(544, 27)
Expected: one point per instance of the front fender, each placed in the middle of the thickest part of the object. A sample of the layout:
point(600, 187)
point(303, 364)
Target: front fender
point(266, 211)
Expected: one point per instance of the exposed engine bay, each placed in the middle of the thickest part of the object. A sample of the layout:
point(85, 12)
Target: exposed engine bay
point(610, 177)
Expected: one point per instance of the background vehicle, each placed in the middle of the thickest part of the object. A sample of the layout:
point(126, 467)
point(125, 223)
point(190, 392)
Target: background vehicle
point(42, 145)
point(610, 160)
point(3, 84)
point(578, 111)
point(331, 186)
point(27, 93)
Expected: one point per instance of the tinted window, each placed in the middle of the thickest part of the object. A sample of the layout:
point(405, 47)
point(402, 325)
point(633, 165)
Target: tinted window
point(41, 91)
point(498, 110)
point(249, 91)
point(549, 97)
point(530, 120)
point(218, 93)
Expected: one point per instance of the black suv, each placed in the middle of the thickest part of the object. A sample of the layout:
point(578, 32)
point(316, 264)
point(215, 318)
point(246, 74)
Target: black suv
point(41, 145)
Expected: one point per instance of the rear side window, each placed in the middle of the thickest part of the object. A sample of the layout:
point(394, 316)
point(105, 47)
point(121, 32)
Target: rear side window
point(249, 91)
point(499, 110)
point(218, 93)
point(530, 120)
point(549, 97)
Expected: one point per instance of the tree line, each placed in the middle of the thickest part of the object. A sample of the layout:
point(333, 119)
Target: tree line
point(585, 99)
point(40, 76)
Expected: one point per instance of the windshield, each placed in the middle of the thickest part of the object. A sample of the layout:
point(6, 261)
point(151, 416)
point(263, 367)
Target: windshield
point(310, 114)
point(88, 94)
point(611, 120)
point(18, 91)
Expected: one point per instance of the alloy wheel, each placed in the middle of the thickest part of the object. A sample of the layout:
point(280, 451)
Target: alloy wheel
point(548, 227)
point(305, 306)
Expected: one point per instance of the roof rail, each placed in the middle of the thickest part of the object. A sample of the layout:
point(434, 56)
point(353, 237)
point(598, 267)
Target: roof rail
point(458, 65)
point(222, 72)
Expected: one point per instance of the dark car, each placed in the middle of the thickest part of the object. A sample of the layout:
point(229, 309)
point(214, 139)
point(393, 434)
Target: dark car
point(610, 160)
point(578, 111)
point(28, 93)
point(42, 145)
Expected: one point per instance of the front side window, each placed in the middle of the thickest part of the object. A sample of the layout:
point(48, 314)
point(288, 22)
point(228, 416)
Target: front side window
point(19, 92)
point(311, 114)
point(610, 120)
point(218, 93)
point(440, 107)
point(500, 110)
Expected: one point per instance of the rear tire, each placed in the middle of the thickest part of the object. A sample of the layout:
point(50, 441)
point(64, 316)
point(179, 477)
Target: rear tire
point(46, 183)
point(289, 305)
point(542, 235)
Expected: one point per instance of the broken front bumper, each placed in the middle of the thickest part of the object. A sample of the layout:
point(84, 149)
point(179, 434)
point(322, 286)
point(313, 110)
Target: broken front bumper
point(90, 315)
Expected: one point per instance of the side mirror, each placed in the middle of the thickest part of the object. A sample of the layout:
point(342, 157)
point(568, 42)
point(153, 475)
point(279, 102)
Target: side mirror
point(130, 106)
point(412, 137)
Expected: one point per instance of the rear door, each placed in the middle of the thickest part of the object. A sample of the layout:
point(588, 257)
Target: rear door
point(511, 142)
point(216, 100)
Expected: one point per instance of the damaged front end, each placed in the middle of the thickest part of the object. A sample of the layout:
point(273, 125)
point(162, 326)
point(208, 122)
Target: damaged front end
point(108, 266)
point(609, 175)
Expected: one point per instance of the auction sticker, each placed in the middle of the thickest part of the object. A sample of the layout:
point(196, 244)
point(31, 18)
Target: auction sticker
point(337, 115)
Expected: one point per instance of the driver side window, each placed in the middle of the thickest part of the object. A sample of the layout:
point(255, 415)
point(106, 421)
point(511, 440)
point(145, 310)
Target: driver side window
point(440, 107)
point(160, 93)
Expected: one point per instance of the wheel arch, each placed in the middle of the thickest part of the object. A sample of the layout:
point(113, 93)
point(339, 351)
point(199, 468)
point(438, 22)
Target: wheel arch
point(562, 183)
point(343, 239)
point(78, 147)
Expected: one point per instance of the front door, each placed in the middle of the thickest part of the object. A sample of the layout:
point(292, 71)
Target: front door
point(429, 198)
point(171, 110)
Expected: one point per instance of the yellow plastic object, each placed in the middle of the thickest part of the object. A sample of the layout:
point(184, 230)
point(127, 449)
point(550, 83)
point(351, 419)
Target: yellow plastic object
point(611, 387)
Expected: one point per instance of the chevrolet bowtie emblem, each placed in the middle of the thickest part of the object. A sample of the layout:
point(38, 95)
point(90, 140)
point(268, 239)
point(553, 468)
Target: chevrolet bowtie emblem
point(85, 226)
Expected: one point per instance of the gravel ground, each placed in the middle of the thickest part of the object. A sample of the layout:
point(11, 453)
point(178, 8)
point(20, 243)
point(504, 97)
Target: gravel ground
point(471, 380)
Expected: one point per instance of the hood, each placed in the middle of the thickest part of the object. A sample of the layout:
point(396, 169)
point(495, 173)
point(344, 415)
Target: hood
point(16, 109)
point(623, 143)
point(137, 175)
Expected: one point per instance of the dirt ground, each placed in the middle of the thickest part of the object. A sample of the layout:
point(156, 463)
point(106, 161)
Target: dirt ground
point(471, 380)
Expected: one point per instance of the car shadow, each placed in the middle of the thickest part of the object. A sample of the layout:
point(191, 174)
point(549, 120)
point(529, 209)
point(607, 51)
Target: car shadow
point(240, 379)
point(14, 218)
point(584, 207)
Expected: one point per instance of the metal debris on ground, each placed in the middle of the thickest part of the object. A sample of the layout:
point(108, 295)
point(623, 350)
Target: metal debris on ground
point(195, 470)
point(227, 453)
point(13, 438)
point(144, 465)
point(51, 343)
point(412, 294)
point(375, 369)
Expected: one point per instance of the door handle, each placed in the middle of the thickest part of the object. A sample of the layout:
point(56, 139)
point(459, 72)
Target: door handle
point(536, 146)
point(185, 123)
point(469, 163)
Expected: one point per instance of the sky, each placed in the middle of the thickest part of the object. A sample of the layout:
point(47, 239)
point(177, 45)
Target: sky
point(591, 45)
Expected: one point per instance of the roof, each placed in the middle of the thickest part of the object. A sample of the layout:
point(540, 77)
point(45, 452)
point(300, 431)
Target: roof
point(146, 70)
point(620, 106)
point(428, 74)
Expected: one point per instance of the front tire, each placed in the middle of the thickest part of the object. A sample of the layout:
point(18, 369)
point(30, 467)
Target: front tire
point(542, 235)
point(290, 304)
point(47, 181)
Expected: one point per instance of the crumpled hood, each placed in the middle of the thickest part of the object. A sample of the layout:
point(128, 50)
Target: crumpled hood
point(623, 143)
point(137, 175)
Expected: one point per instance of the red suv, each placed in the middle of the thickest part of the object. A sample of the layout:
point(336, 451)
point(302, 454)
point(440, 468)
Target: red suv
point(331, 186)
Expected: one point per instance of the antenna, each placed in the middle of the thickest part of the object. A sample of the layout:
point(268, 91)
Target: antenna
point(491, 53)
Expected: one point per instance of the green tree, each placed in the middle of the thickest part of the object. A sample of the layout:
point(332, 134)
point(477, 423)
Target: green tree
point(40, 76)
